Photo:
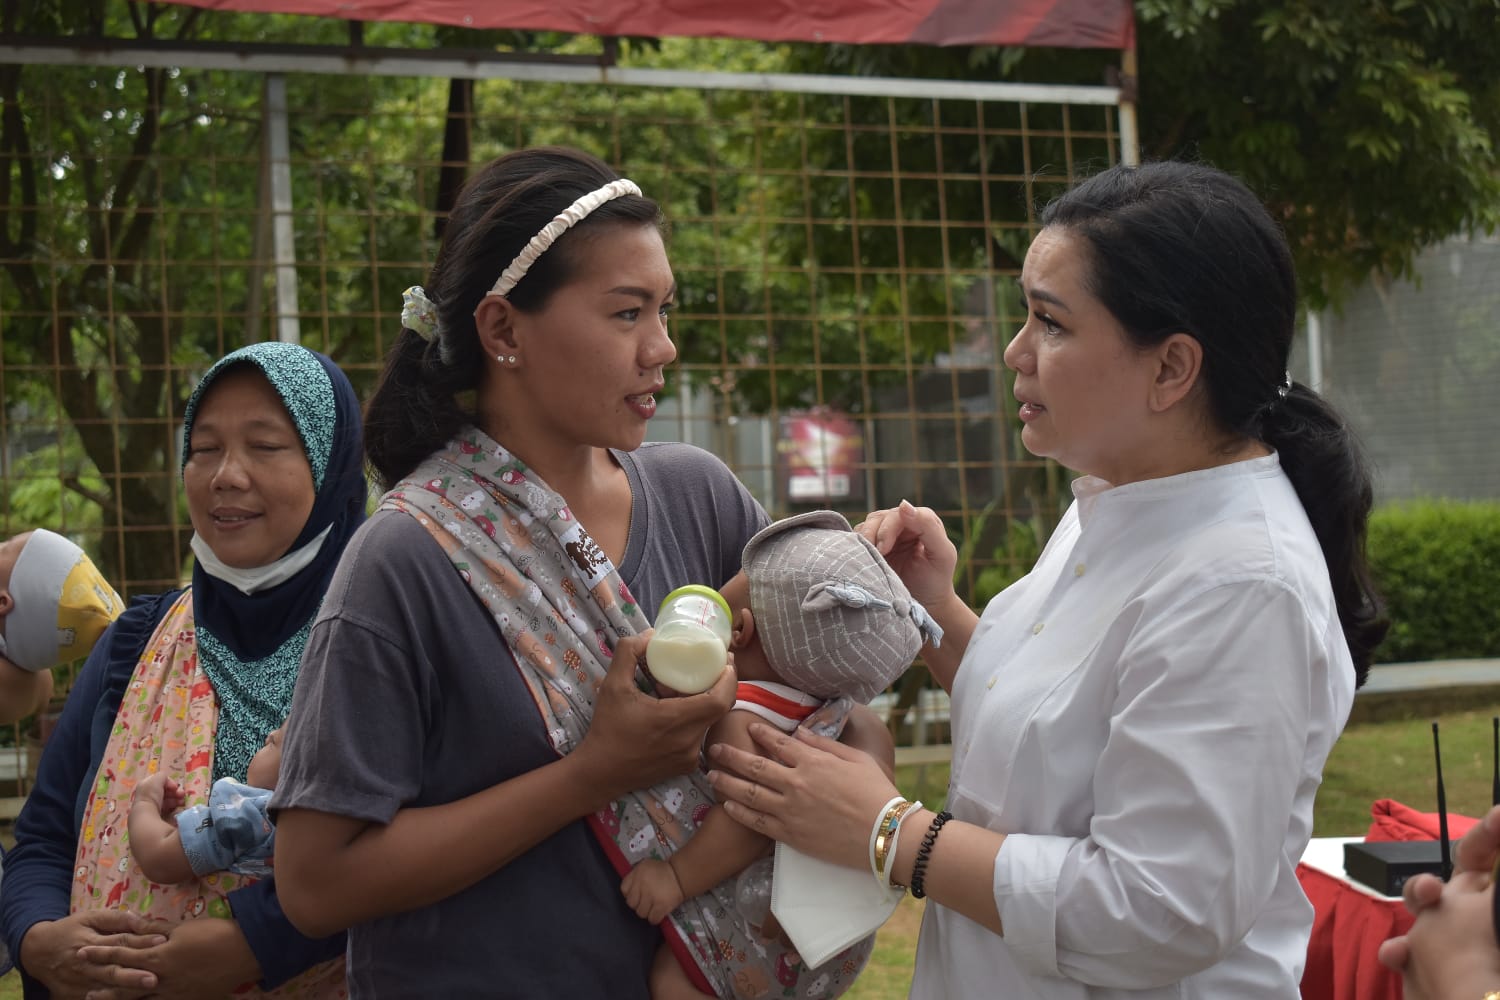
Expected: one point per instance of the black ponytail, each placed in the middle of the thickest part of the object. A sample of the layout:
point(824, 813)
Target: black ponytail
point(1182, 247)
point(1325, 462)
point(414, 409)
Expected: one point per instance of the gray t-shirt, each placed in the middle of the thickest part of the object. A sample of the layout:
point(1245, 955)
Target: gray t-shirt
point(408, 696)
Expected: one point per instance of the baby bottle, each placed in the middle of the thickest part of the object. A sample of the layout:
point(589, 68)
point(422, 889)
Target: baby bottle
point(691, 643)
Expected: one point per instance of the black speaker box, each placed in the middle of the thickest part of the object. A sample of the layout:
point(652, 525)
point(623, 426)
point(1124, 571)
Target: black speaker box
point(1385, 865)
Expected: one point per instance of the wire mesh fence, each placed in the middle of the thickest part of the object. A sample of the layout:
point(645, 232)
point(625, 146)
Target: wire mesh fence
point(1414, 364)
point(845, 263)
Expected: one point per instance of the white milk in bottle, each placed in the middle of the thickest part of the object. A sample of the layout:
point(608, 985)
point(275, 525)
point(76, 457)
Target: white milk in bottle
point(691, 643)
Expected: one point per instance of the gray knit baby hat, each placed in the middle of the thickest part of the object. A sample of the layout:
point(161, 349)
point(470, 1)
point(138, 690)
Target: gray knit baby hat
point(831, 614)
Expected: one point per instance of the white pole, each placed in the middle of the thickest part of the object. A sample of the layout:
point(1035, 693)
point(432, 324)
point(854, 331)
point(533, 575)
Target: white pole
point(283, 241)
point(1130, 139)
point(385, 63)
point(1314, 351)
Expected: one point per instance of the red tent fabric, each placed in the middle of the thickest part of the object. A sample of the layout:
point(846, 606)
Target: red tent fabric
point(1063, 23)
point(1390, 820)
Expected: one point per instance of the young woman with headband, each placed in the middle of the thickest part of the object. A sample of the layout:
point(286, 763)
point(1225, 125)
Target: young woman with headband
point(460, 780)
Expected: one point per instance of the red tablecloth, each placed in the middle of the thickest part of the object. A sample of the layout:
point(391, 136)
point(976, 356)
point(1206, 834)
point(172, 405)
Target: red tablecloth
point(1348, 926)
point(1349, 923)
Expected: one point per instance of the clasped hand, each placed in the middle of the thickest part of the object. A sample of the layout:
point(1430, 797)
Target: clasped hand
point(114, 955)
point(165, 795)
point(68, 955)
point(652, 890)
point(1451, 948)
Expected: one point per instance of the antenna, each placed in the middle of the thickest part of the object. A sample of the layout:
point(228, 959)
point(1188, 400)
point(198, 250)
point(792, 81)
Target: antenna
point(1495, 792)
point(1444, 855)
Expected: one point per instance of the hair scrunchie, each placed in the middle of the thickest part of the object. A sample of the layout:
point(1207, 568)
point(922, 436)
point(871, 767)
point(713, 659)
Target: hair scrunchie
point(418, 313)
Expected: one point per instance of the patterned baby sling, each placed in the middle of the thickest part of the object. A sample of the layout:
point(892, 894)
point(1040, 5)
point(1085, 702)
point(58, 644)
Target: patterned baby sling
point(561, 605)
point(167, 720)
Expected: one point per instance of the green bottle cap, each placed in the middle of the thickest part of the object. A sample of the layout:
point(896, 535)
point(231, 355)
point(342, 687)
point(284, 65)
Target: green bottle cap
point(701, 591)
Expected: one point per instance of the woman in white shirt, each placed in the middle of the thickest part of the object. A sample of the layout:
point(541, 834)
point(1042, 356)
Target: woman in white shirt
point(1140, 724)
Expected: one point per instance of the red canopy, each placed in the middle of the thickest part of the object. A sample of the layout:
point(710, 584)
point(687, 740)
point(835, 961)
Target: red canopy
point(1066, 23)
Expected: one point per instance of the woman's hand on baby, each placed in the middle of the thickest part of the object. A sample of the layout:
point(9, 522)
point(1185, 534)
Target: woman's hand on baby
point(813, 793)
point(651, 889)
point(637, 740)
point(916, 544)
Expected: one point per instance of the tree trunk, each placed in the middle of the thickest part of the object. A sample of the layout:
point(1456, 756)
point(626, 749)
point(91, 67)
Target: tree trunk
point(456, 150)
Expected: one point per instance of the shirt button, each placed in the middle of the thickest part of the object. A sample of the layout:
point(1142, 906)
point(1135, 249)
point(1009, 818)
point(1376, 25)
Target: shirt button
point(1036, 629)
point(989, 683)
point(1079, 569)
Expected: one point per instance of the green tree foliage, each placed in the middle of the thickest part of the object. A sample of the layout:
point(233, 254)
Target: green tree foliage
point(128, 253)
point(829, 250)
point(84, 204)
point(1370, 128)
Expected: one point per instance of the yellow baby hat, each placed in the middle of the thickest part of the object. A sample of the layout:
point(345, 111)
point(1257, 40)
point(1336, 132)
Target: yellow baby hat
point(62, 604)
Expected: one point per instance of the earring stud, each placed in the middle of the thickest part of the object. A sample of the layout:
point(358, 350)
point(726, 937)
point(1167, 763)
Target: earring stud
point(506, 359)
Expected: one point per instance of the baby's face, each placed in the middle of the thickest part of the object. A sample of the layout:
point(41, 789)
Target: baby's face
point(10, 551)
point(736, 592)
point(265, 766)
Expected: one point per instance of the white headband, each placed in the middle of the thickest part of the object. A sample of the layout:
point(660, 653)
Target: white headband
point(565, 220)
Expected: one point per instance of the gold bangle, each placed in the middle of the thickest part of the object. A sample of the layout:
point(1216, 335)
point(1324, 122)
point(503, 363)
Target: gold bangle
point(1491, 995)
point(885, 837)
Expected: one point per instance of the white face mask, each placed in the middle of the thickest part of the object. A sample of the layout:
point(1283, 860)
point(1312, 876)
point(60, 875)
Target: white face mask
point(249, 581)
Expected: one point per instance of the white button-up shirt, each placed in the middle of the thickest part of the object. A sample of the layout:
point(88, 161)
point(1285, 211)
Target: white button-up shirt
point(1152, 753)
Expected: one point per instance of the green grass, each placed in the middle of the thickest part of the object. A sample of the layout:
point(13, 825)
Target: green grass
point(1393, 760)
point(1372, 760)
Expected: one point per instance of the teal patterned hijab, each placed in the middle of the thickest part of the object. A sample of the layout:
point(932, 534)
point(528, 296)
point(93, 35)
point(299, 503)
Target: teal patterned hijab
point(251, 645)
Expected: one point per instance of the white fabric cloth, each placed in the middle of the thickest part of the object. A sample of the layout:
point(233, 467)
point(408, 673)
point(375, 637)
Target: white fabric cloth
point(1147, 715)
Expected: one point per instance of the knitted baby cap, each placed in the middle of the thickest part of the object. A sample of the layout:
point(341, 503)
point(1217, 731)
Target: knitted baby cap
point(62, 604)
point(831, 614)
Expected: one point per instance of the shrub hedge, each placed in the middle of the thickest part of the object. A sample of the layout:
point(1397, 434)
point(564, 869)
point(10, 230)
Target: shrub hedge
point(1437, 563)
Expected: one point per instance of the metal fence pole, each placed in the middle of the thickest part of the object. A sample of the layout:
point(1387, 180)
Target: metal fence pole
point(283, 241)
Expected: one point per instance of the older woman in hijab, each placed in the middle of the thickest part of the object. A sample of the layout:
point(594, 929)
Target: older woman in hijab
point(191, 682)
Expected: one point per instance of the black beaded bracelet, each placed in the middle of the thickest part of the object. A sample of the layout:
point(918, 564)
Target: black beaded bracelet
point(919, 867)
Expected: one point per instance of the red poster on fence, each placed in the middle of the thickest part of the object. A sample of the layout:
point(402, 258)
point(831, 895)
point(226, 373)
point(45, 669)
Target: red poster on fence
point(821, 456)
